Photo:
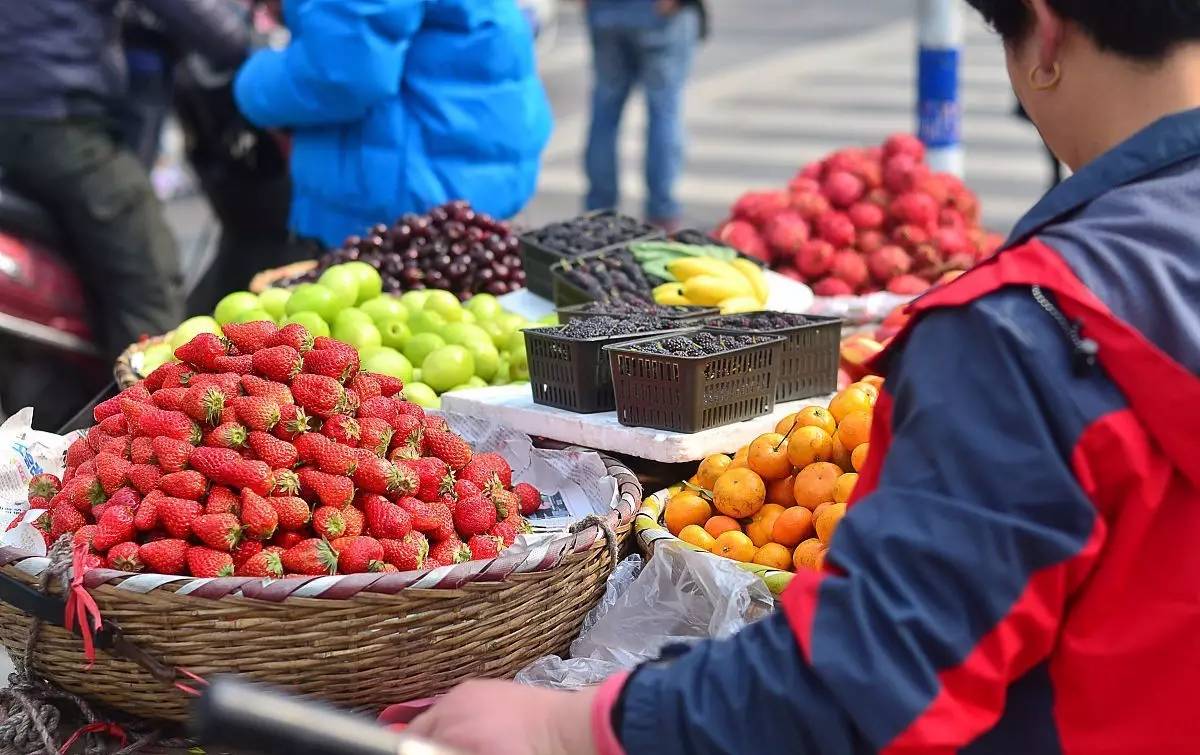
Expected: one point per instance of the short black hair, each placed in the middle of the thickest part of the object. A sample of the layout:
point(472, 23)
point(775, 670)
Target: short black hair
point(1141, 29)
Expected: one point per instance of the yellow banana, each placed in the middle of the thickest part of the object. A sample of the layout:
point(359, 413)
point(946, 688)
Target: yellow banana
point(670, 295)
point(739, 304)
point(754, 274)
point(686, 268)
point(708, 290)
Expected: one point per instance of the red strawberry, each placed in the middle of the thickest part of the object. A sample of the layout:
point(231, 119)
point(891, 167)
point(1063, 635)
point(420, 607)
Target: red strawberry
point(351, 404)
point(507, 503)
point(112, 406)
point(238, 365)
point(228, 383)
point(450, 551)
point(44, 485)
point(293, 422)
point(226, 435)
point(177, 425)
point(255, 475)
point(124, 557)
point(264, 564)
point(287, 482)
point(408, 437)
point(388, 385)
point(292, 511)
point(428, 518)
point(202, 351)
point(65, 519)
point(431, 474)
point(146, 516)
point(505, 531)
point(356, 523)
point(530, 497)
point(256, 412)
point(474, 515)
point(278, 363)
point(327, 521)
point(374, 475)
point(434, 422)
point(170, 399)
point(141, 450)
point(339, 364)
point(408, 553)
point(85, 535)
point(375, 434)
point(84, 491)
point(111, 470)
point(481, 468)
point(342, 429)
point(258, 516)
point(286, 539)
point(293, 334)
point(484, 547)
point(325, 342)
point(364, 385)
point(244, 551)
point(176, 515)
point(144, 477)
point(220, 531)
point(217, 464)
point(172, 454)
point(384, 519)
point(168, 375)
point(203, 403)
point(253, 385)
point(115, 526)
point(318, 394)
point(118, 447)
point(331, 458)
point(310, 556)
point(222, 500)
point(381, 407)
point(78, 452)
point(124, 496)
point(207, 562)
point(95, 437)
point(164, 556)
point(465, 488)
point(447, 446)
point(278, 454)
point(188, 484)
point(357, 555)
point(114, 425)
point(249, 337)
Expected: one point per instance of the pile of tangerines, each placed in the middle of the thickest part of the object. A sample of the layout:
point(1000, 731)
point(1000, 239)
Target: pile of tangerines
point(778, 501)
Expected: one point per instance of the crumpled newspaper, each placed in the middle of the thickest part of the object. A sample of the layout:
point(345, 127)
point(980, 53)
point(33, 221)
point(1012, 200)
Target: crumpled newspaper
point(25, 452)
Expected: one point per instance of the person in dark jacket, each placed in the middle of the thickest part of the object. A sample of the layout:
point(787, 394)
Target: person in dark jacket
point(63, 76)
point(647, 43)
point(1017, 571)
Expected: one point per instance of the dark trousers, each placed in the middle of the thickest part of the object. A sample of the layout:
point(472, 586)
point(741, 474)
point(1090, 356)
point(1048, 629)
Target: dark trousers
point(117, 236)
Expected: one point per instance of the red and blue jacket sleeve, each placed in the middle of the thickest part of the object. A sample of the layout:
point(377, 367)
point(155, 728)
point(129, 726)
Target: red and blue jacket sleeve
point(947, 582)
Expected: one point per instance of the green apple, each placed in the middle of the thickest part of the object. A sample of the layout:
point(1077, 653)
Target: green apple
point(445, 304)
point(310, 320)
point(274, 301)
point(313, 297)
point(192, 327)
point(344, 285)
point(498, 335)
point(387, 361)
point(503, 374)
point(251, 315)
point(356, 328)
point(463, 333)
point(395, 332)
point(233, 305)
point(386, 307)
point(155, 356)
point(370, 284)
point(417, 374)
point(468, 317)
point(447, 367)
point(422, 345)
point(415, 300)
point(515, 339)
point(422, 395)
point(483, 306)
point(486, 356)
point(519, 363)
point(426, 321)
point(549, 320)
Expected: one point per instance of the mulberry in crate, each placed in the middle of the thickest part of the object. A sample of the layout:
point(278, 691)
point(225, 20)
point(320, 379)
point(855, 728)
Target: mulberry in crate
point(589, 233)
point(597, 327)
point(761, 321)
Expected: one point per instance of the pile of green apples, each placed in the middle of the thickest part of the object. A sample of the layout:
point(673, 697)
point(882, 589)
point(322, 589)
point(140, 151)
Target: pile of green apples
point(427, 338)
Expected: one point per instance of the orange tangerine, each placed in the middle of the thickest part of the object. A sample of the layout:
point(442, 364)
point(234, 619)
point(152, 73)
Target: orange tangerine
point(827, 521)
point(792, 526)
point(840, 454)
point(710, 469)
point(855, 429)
point(763, 524)
point(768, 457)
point(858, 457)
point(844, 487)
point(735, 545)
point(817, 416)
point(684, 509)
point(780, 491)
point(721, 523)
point(815, 484)
point(866, 388)
point(695, 535)
point(806, 553)
point(739, 493)
point(784, 426)
point(775, 556)
point(850, 400)
point(807, 445)
point(873, 380)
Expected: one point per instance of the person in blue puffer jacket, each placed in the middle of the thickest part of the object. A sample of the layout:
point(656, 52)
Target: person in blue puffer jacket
point(399, 105)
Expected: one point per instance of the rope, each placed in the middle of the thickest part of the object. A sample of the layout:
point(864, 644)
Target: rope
point(610, 535)
point(33, 707)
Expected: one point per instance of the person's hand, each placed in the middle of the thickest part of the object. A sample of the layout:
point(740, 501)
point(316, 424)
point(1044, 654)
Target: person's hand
point(502, 718)
point(666, 7)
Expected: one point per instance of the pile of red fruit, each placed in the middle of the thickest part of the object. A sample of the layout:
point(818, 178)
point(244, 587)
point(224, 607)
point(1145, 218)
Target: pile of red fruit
point(266, 453)
point(864, 220)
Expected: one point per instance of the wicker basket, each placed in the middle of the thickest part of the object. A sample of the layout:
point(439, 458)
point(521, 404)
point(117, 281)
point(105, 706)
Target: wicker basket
point(650, 532)
point(361, 641)
point(126, 370)
point(267, 278)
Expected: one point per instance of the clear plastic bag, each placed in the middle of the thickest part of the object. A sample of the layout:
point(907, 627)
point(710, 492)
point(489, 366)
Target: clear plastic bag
point(679, 597)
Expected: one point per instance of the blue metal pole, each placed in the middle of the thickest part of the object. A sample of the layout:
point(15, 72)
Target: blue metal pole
point(939, 111)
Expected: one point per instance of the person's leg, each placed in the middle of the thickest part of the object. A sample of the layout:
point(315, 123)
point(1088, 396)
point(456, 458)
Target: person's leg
point(668, 53)
point(101, 195)
point(614, 70)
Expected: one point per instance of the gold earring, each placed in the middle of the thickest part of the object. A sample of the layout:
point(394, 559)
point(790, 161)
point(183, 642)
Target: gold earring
point(1055, 77)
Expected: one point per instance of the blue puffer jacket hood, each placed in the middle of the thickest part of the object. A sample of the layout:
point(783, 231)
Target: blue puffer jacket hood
point(398, 105)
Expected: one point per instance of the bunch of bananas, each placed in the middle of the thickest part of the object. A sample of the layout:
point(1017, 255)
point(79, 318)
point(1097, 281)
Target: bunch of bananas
point(734, 286)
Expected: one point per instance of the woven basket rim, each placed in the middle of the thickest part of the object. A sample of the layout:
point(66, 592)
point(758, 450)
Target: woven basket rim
point(264, 279)
point(540, 559)
point(650, 533)
point(123, 371)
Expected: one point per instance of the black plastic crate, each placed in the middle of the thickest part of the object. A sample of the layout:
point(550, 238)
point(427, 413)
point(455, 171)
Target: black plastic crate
point(811, 354)
point(685, 316)
point(690, 394)
point(537, 259)
point(573, 373)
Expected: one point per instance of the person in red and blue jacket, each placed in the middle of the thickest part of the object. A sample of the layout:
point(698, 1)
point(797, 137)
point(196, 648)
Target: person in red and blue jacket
point(1019, 570)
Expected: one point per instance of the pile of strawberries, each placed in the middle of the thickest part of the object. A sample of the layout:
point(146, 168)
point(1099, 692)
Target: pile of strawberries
point(267, 453)
point(864, 220)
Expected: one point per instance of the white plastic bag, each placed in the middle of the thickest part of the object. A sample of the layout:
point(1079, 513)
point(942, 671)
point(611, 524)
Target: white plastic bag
point(25, 452)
